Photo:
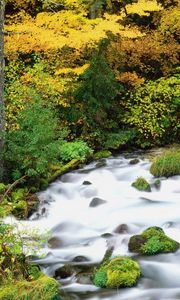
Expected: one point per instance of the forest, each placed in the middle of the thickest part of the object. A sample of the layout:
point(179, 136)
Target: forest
point(80, 80)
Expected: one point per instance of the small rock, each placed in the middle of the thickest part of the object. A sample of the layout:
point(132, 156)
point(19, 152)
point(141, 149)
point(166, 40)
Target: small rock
point(106, 235)
point(65, 272)
point(86, 182)
point(134, 161)
point(96, 202)
point(55, 243)
point(123, 228)
point(80, 259)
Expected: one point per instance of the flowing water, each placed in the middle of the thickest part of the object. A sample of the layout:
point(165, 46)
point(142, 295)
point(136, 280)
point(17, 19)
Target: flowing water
point(83, 227)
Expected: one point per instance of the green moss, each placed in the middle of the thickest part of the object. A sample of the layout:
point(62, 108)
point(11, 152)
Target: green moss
point(118, 272)
point(166, 165)
point(73, 164)
point(44, 288)
point(102, 154)
point(19, 202)
point(141, 184)
point(152, 241)
point(2, 187)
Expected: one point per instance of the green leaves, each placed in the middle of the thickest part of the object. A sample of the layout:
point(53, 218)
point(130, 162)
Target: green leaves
point(31, 148)
point(74, 150)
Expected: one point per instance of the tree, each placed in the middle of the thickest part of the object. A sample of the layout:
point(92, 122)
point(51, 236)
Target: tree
point(2, 114)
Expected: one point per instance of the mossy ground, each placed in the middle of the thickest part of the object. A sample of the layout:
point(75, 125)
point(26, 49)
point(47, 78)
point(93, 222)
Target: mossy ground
point(141, 184)
point(152, 241)
point(167, 164)
point(18, 202)
point(44, 288)
point(118, 272)
point(102, 154)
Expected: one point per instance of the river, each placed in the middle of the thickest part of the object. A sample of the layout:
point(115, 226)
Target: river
point(83, 226)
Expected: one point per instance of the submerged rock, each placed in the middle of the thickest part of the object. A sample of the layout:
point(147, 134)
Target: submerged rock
point(55, 243)
point(122, 228)
point(118, 272)
point(65, 272)
point(134, 161)
point(152, 241)
point(96, 202)
point(80, 258)
point(141, 184)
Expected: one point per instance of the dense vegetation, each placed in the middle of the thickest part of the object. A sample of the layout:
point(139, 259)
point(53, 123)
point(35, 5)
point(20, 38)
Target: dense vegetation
point(81, 77)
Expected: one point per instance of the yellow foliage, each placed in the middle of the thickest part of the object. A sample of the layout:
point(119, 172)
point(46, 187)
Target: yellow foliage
point(77, 71)
point(143, 7)
point(53, 31)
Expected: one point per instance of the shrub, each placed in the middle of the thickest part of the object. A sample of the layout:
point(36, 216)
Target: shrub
point(153, 110)
point(118, 139)
point(31, 148)
point(118, 272)
point(74, 150)
point(166, 165)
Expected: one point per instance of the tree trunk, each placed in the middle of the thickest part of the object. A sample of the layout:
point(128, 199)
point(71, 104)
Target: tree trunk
point(2, 113)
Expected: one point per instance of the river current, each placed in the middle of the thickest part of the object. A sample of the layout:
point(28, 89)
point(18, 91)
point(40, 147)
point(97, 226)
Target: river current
point(94, 209)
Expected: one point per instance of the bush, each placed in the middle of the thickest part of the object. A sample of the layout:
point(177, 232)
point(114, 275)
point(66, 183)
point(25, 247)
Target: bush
point(166, 165)
point(31, 147)
point(153, 110)
point(117, 139)
point(118, 272)
point(74, 150)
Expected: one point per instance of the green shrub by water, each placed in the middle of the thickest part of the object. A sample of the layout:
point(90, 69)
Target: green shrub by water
point(166, 165)
point(74, 150)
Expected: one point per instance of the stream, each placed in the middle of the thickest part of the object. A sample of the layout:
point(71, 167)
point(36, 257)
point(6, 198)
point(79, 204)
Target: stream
point(94, 209)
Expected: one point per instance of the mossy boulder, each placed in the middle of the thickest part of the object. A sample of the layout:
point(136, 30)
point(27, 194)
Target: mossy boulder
point(102, 154)
point(166, 165)
point(141, 184)
point(118, 272)
point(44, 288)
point(152, 241)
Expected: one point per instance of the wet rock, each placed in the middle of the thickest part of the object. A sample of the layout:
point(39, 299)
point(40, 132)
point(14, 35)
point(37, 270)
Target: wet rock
point(96, 202)
point(80, 259)
point(101, 164)
point(134, 161)
point(123, 228)
point(118, 272)
point(65, 272)
point(152, 241)
point(55, 243)
point(157, 183)
point(84, 278)
point(106, 235)
point(86, 182)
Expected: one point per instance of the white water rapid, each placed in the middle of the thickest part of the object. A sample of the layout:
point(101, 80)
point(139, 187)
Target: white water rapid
point(82, 230)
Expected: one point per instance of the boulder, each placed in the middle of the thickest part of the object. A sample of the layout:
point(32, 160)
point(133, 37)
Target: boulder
point(152, 241)
point(116, 273)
